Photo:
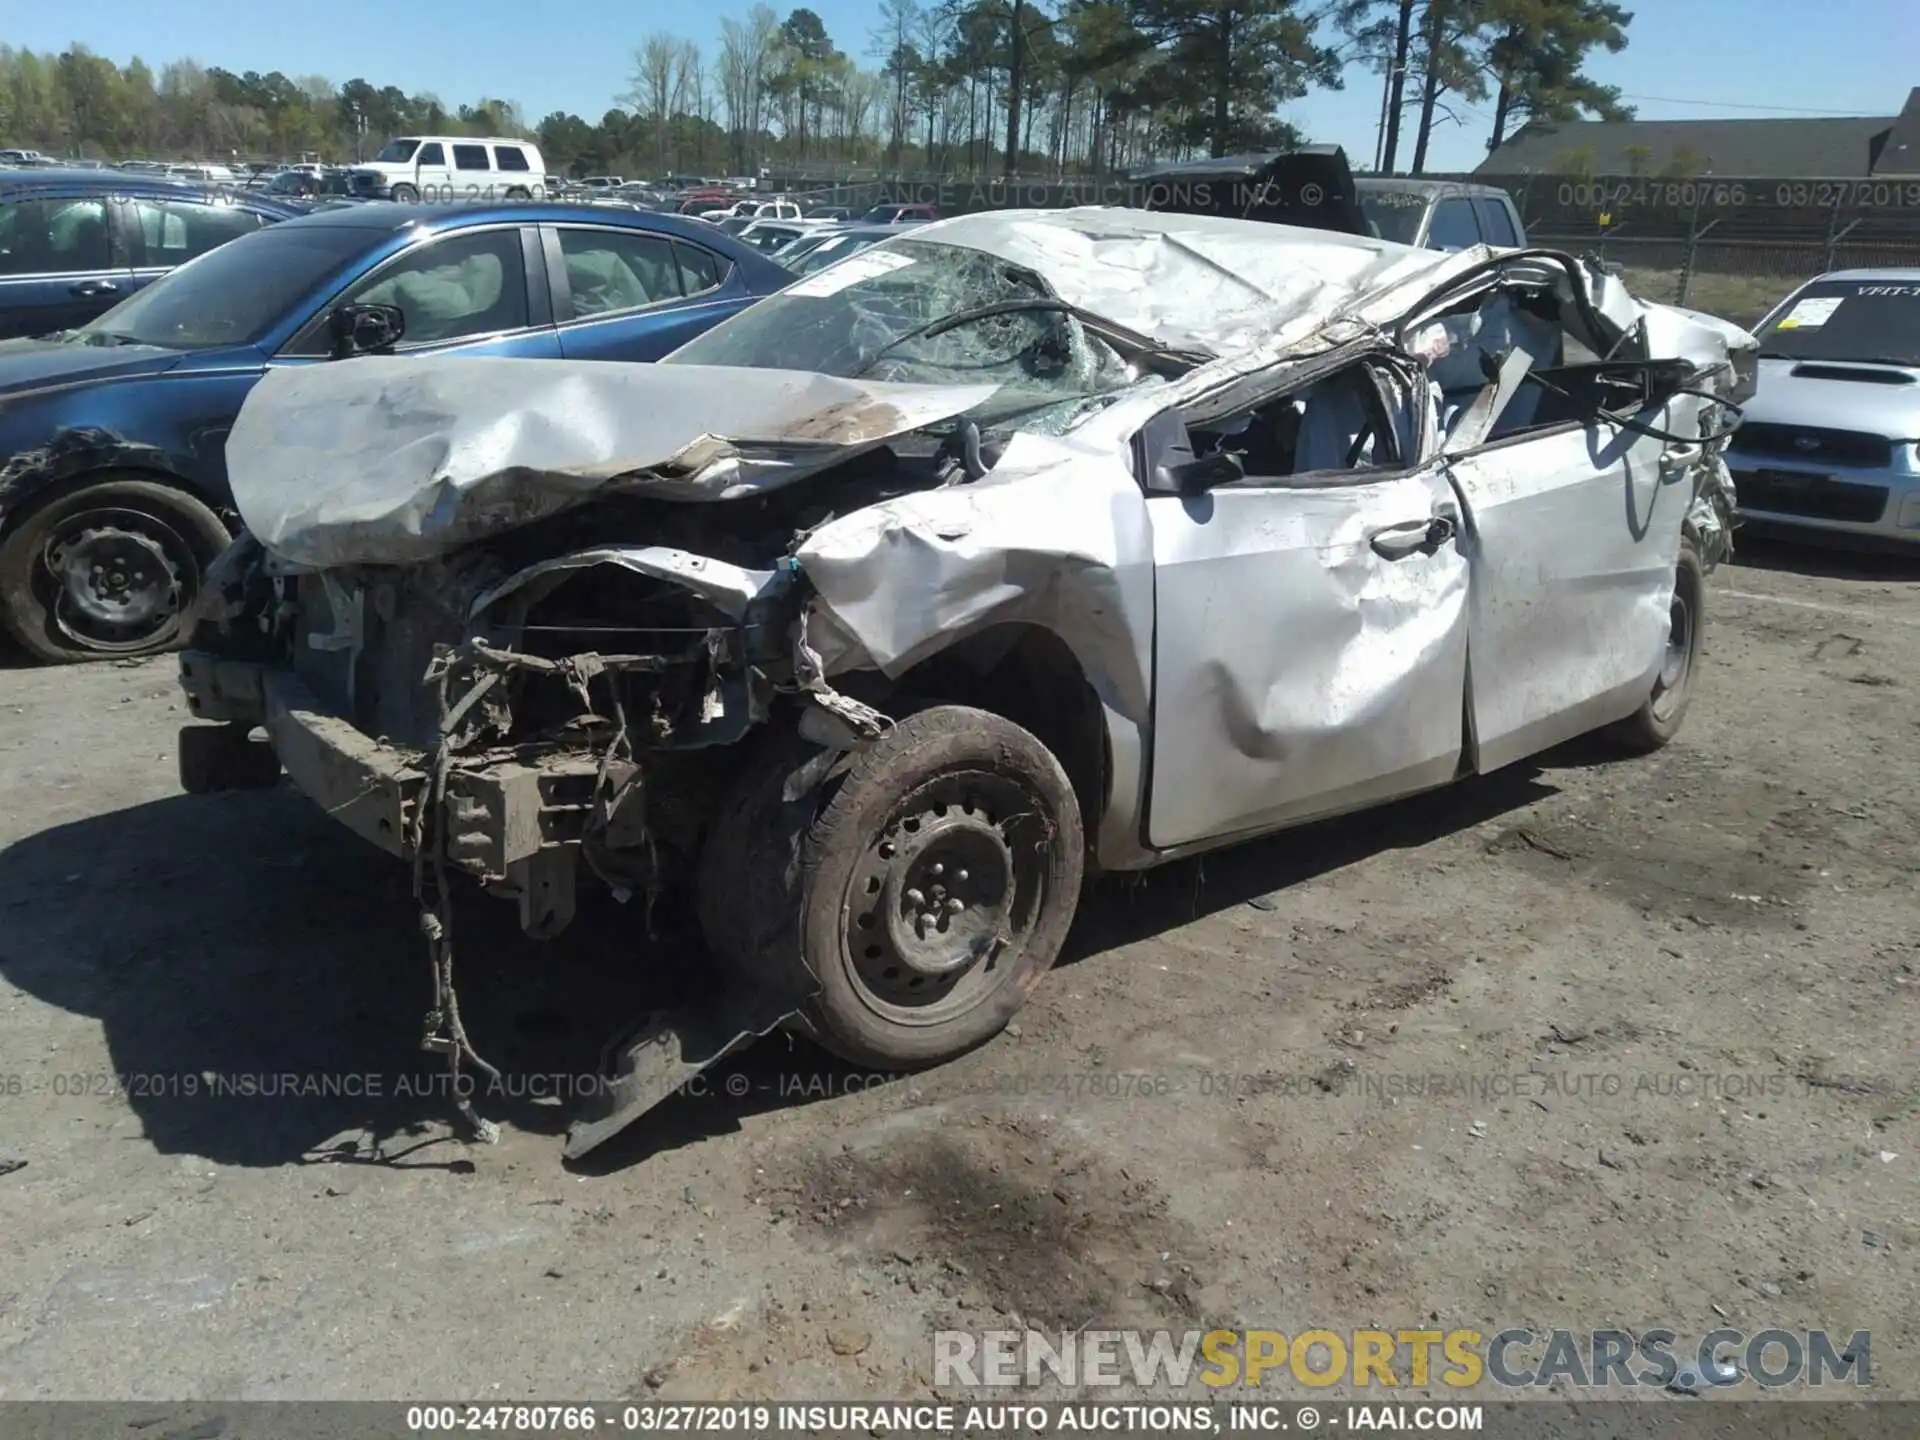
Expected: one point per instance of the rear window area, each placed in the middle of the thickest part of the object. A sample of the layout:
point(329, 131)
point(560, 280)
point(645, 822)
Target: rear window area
point(1393, 214)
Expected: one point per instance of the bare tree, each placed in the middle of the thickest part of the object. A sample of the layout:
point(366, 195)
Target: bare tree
point(862, 95)
point(654, 89)
point(749, 55)
point(892, 42)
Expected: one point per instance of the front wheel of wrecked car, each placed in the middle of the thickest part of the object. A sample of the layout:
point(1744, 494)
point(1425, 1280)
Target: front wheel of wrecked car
point(919, 888)
point(1658, 719)
point(106, 569)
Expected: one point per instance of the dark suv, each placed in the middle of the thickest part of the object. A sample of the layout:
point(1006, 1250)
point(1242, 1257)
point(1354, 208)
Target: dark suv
point(74, 243)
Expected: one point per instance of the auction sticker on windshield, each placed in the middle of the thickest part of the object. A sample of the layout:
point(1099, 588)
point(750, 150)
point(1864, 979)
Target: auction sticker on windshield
point(868, 265)
point(1809, 314)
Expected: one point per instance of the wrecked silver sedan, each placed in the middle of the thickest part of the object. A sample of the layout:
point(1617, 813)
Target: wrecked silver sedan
point(1032, 543)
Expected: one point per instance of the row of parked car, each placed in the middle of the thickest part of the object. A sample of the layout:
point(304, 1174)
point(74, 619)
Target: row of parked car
point(206, 172)
point(127, 365)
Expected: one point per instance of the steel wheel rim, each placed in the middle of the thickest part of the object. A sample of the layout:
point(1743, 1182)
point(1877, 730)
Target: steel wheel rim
point(1677, 664)
point(944, 897)
point(116, 581)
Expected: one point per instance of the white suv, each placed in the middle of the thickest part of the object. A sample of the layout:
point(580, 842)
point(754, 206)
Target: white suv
point(451, 167)
point(754, 210)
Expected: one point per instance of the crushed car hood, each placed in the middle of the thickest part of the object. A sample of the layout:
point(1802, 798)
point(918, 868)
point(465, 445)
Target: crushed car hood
point(394, 460)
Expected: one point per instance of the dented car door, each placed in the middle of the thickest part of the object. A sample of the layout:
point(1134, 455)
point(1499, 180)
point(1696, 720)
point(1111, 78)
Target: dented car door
point(1310, 639)
point(1572, 534)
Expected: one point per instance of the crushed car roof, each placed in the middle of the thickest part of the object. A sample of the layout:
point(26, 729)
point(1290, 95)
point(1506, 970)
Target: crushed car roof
point(1191, 281)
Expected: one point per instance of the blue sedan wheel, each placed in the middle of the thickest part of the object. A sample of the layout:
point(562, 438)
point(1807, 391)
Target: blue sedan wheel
point(106, 570)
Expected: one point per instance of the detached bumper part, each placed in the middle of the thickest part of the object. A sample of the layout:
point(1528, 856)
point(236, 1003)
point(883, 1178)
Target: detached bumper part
point(661, 1054)
point(510, 822)
point(370, 788)
point(218, 689)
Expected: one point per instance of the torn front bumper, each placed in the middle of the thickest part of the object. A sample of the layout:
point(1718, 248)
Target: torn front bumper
point(370, 788)
point(515, 822)
point(512, 820)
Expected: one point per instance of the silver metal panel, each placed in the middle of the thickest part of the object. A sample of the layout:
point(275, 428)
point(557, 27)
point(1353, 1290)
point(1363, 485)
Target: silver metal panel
point(1056, 536)
point(1572, 536)
point(1298, 672)
point(1195, 280)
point(394, 460)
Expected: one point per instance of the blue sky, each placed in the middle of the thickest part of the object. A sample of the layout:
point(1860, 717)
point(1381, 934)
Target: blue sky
point(1778, 56)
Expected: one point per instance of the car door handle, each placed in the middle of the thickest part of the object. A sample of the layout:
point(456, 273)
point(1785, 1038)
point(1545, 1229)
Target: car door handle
point(94, 287)
point(1415, 537)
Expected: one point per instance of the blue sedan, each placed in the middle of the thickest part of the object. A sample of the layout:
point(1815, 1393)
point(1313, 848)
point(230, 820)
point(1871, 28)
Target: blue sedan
point(74, 243)
point(113, 485)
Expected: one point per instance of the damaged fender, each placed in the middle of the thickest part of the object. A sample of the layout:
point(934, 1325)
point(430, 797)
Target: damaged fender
point(1056, 535)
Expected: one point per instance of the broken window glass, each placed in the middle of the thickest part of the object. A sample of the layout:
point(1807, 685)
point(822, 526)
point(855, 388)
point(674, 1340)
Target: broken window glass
point(916, 312)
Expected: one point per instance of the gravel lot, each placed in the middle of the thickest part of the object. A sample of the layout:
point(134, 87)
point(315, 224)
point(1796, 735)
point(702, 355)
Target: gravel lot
point(1671, 1004)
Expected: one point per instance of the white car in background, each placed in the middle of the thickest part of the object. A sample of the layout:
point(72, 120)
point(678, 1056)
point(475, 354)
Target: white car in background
point(753, 210)
point(211, 174)
point(1829, 446)
point(451, 167)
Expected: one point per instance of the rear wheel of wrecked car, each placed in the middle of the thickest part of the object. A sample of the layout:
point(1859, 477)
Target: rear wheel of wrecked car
point(1658, 720)
point(920, 888)
point(106, 570)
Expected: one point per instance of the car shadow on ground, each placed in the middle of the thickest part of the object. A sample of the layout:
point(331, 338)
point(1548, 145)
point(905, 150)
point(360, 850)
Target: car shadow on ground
point(261, 979)
point(1835, 561)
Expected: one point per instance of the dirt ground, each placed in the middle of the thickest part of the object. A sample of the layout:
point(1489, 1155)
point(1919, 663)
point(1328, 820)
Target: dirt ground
point(1663, 1012)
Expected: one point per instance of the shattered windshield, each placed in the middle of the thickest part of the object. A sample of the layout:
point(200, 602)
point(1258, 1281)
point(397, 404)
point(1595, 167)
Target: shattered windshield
point(917, 312)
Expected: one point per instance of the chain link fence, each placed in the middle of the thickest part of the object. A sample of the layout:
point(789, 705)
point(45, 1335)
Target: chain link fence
point(1731, 246)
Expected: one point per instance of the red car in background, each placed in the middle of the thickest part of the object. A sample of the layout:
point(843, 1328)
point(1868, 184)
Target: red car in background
point(692, 202)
